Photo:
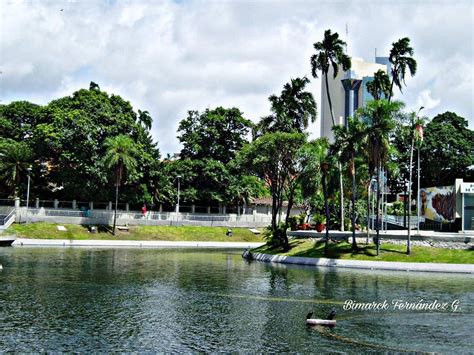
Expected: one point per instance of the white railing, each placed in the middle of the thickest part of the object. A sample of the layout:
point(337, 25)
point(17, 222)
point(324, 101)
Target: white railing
point(8, 220)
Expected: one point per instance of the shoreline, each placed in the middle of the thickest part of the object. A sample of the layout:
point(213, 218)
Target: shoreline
point(364, 264)
point(19, 242)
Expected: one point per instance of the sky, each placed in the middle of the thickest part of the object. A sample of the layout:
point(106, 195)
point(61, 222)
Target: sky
point(169, 57)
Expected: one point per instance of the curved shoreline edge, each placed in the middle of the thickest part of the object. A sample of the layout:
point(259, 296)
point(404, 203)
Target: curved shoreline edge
point(133, 243)
point(370, 265)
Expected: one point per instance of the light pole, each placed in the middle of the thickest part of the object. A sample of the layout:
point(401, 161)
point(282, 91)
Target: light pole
point(28, 194)
point(419, 129)
point(177, 205)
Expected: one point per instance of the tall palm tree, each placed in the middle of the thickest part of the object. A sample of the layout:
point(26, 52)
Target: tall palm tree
point(120, 155)
point(330, 53)
point(348, 143)
point(379, 117)
point(15, 158)
point(401, 60)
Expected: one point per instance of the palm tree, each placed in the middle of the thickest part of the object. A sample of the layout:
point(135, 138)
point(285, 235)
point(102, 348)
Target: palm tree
point(15, 160)
point(379, 117)
point(348, 141)
point(379, 87)
point(401, 59)
point(145, 119)
point(291, 111)
point(330, 53)
point(120, 152)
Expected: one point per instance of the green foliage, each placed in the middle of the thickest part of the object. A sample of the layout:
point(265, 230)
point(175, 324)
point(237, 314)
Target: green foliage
point(396, 208)
point(318, 218)
point(15, 158)
point(447, 151)
point(291, 111)
point(401, 59)
point(120, 154)
point(379, 87)
point(67, 138)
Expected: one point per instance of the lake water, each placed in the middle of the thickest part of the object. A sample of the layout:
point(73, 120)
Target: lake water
point(81, 299)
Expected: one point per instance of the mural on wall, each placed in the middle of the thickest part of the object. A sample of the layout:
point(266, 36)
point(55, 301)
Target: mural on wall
point(438, 203)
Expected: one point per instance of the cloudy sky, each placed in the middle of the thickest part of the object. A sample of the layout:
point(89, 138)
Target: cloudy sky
point(169, 57)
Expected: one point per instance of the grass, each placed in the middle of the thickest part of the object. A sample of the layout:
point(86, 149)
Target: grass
point(388, 252)
point(179, 233)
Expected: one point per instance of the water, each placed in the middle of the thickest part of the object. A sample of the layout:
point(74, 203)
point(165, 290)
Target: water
point(73, 299)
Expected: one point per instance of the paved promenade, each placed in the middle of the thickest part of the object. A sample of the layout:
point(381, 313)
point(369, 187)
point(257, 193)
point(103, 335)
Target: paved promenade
point(360, 264)
point(391, 234)
point(132, 244)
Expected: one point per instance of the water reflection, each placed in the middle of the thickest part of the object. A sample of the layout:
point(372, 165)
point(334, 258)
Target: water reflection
point(64, 299)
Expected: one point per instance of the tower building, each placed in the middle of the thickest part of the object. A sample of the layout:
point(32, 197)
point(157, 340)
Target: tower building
point(348, 92)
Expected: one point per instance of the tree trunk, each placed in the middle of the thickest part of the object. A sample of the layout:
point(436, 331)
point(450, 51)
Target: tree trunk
point(377, 212)
point(354, 243)
point(341, 188)
point(409, 197)
point(116, 203)
point(326, 209)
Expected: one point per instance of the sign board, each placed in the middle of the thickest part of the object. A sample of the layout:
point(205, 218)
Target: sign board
point(467, 188)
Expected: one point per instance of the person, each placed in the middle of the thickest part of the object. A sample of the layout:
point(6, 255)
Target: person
point(144, 211)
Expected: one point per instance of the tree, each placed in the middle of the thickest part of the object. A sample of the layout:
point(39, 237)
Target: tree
point(379, 87)
point(291, 111)
point(15, 159)
point(330, 52)
point(379, 116)
point(120, 155)
point(274, 158)
point(348, 143)
point(210, 142)
point(401, 60)
point(145, 119)
point(447, 152)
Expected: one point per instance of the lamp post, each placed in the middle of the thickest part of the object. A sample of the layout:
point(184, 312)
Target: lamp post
point(28, 194)
point(177, 205)
point(419, 129)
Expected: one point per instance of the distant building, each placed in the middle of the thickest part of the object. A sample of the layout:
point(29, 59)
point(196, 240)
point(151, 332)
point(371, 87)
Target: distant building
point(348, 91)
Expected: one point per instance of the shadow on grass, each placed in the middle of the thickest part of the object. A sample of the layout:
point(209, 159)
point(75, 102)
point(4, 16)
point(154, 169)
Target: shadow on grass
point(101, 228)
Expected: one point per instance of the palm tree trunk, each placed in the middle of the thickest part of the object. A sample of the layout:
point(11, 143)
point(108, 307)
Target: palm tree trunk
point(354, 243)
point(116, 203)
point(341, 188)
point(326, 209)
point(377, 212)
point(409, 197)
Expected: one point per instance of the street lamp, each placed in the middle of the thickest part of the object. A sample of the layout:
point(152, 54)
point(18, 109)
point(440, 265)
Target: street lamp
point(419, 129)
point(28, 193)
point(177, 205)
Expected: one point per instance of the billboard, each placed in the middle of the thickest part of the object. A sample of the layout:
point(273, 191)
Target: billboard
point(438, 203)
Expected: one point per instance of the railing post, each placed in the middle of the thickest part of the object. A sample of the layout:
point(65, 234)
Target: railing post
point(127, 207)
point(193, 209)
point(74, 204)
point(37, 203)
point(160, 209)
point(91, 205)
point(17, 202)
point(110, 206)
point(224, 209)
point(208, 209)
point(55, 203)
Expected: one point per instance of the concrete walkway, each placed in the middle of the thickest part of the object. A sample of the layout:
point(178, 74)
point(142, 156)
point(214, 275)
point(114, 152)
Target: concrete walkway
point(391, 234)
point(132, 243)
point(362, 264)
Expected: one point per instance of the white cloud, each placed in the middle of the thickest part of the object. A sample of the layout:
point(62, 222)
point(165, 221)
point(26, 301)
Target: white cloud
point(169, 57)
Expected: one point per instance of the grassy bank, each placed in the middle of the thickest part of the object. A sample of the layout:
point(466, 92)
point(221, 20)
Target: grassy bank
point(389, 252)
point(168, 233)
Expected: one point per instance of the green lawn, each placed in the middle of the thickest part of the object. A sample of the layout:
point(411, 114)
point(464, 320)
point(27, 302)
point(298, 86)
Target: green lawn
point(179, 233)
point(389, 252)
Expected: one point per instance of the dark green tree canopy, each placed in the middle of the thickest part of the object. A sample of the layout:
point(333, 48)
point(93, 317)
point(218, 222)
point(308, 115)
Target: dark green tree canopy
point(215, 134)
point(447, 151)
point(291, 111)
point(379, 87)
point(401, 58)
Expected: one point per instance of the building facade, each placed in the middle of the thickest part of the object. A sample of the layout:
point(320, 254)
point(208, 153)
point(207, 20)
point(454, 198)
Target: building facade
point(348, 92)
